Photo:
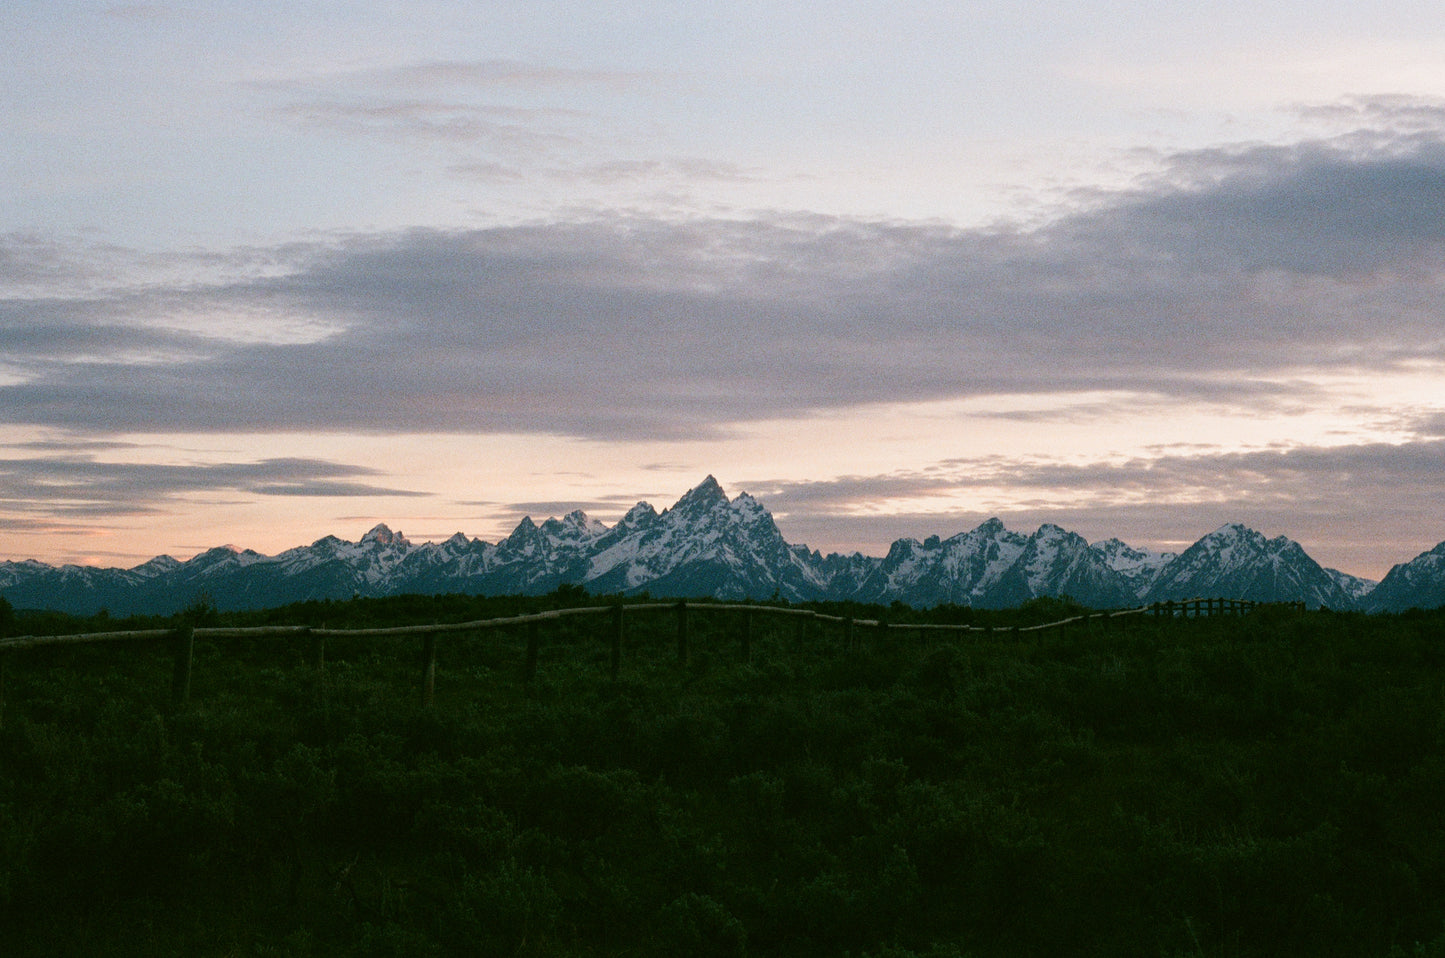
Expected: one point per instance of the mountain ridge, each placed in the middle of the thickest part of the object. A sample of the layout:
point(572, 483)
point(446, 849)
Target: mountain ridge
point(708, 545)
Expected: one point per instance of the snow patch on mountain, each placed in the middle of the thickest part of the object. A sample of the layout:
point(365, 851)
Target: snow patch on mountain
point(1239, 562)
point(1139, 567)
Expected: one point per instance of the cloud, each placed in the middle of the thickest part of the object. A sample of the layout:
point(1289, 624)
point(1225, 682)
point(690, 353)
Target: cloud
point(555, 507)
point(1311, 209)
point(506, 130)
point(1381, 116)
point(1298, 474)
point(1236, 276)
point(501, 119)
point(75, 484)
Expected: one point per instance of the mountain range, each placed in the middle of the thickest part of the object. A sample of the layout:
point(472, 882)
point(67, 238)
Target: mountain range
point(707, 545)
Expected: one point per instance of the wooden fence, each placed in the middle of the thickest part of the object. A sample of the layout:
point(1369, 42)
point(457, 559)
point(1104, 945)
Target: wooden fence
point(184, 638)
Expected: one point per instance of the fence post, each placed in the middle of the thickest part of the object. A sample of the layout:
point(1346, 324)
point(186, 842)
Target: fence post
point(748, 635)
point(682, 632)
point(534, 640)
point(181, 677)
point(318, 650)
point(428, 669)
point(617, 628)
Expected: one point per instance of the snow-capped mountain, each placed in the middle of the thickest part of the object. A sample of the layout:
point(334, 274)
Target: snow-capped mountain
point(1417, 584)
point(1237, 562)
point(961, 570)
point(709, 545)
point(705, 545)
point(83, 589)
point(1139, 567)
point(1354, 586)
point(1056, 562)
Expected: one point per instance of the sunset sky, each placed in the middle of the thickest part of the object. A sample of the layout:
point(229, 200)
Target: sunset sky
point(272, 271)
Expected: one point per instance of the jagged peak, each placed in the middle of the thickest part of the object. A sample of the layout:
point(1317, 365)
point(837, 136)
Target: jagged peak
point(745, 504)
point(1238, 532)
point(705, 494)
point(216, 552)
point(381, 534)
point(525, 531)
point(903, 549)
point(639, 513)
point(991, 530)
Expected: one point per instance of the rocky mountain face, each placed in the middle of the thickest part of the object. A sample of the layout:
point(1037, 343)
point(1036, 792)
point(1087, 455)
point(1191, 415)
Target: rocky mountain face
point(962, 570)
point(1418, 584)
point(707, 545)
point(1138, 567)
point(1237, 562)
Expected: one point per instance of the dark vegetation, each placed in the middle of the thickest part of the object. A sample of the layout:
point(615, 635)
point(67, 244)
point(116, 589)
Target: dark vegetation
point(1271, 784)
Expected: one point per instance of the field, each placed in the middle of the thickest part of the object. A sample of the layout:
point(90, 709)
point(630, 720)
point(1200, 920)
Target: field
point(1266, 784)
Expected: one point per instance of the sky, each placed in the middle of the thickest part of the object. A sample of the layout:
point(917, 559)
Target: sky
point(273, 271)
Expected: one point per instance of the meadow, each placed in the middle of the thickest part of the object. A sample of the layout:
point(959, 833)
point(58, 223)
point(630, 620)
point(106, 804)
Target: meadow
point(1263, 784)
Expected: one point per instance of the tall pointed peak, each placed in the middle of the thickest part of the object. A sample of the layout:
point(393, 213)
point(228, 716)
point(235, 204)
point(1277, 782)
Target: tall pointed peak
point(705, 494)
point(709, 487)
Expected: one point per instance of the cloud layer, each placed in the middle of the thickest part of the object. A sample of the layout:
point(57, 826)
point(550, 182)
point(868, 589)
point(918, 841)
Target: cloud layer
point(1353, 505)
point(1238, 271)
point(70, 482)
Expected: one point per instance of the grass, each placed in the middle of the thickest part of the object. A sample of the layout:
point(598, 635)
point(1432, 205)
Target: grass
point(1261, 785)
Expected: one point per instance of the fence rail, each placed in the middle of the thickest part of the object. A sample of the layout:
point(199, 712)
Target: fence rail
point(184, 637)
